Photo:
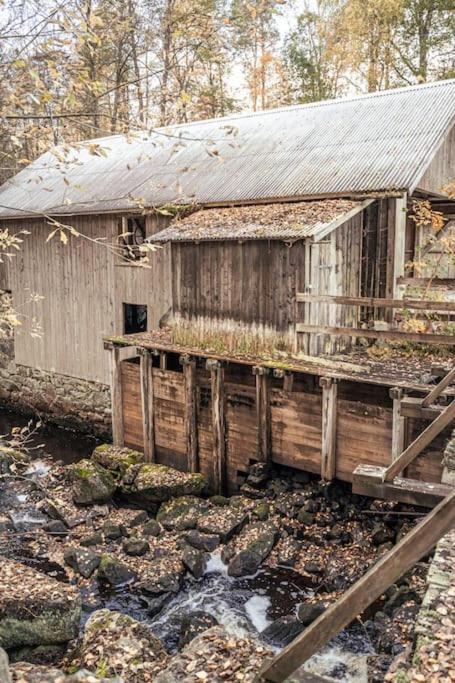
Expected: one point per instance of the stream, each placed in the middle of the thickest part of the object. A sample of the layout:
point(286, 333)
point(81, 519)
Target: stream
point(242, 606)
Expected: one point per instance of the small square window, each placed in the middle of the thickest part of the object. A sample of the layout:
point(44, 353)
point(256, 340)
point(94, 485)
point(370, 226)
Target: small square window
point(134, 318)
point(132, 236)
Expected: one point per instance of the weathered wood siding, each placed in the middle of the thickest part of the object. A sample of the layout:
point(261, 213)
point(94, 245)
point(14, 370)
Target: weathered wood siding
point(442, 167)
point(73, 295)
point(363, 428)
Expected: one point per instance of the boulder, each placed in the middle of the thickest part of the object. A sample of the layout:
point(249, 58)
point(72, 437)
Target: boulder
point(283, 630)
point(112, 531)
point(193, 624)
point(114, 572)
point(163, 574)
point(135, 546)
point(35, 609)
point(152, 528)
point(260, 539)
point(195, 561)
point(92, 539)
point(182, 513)
point(116, 459)
point(258, 475)
point(152, 484)
point(56, 528)
point(142, 517)
point(91, 483)
point(307, 612)
point(200, 541)
point(225, 522)
point(83, 561)
point(114, 644)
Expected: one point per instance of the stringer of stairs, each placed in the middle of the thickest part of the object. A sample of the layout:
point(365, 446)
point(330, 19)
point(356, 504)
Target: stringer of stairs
point(385, 482)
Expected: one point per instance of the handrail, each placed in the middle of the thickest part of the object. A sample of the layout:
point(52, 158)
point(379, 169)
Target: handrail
point(376, 302)
point(439, 388)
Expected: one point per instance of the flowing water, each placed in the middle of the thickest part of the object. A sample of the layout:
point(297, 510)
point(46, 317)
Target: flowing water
point(242, 606)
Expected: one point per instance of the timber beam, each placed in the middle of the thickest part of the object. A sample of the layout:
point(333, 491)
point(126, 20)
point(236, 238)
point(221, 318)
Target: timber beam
point(148, 409)
point(116, 396)
point(190, 388)
point(217, 372)
point(263, 413)
point(398, 422)
point(329, 427)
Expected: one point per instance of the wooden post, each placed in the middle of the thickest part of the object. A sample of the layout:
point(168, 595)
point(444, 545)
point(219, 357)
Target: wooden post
point(398, 423)
point(148, 418)
point(412, 547)
point(116, 396)
point(189, 375)
point(263, 413)
point(163, 360)
point(288, 381)
point(218, 424)
point(329, 427)
point(399, 244)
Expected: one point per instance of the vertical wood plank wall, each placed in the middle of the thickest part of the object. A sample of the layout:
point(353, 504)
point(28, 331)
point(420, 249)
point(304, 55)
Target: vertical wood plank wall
point(363, 424)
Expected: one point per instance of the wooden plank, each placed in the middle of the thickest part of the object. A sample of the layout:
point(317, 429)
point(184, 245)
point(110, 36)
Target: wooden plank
point(412, 407)
point(218, 425)
point(368, 481)
point(394, 335)
point(373, 301)
point(398, 423)
point(421, 442)
point(116, 397)
point(189, 374)
point(425, 281)
point(412, 547)
point(263, 414)
point(439, 388)
point(148, 408)
point(329, 427)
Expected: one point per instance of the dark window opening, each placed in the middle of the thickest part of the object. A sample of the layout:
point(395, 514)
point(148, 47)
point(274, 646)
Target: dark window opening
point(134, 318)
point(132, 236)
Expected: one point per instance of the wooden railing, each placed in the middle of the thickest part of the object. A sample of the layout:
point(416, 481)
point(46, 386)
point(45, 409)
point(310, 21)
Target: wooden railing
point(443, 307)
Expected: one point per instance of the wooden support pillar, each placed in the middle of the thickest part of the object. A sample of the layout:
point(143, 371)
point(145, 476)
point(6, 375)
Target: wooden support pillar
point(218, 424)
point(116, 395)
point(148, 418)
point(287, 376)
point(398, 423)
point(399, 244)
point(329, 427)
point(163, 360)
point(263, 413)
point(189, 375)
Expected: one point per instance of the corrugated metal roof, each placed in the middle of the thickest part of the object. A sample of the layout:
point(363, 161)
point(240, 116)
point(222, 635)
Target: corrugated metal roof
point(372, 143)
point(290, 221)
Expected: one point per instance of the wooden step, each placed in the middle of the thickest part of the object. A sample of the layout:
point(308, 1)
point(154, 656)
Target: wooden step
point(412, 407)
point(367, 480)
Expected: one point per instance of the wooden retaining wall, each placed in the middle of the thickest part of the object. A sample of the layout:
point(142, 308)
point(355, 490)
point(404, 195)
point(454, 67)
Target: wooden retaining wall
point(363, 423)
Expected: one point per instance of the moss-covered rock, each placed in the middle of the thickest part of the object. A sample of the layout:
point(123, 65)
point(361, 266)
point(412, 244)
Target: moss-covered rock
point(116, 459)
point(91, 483)
point(182, 513)
point(114, 572)
point(153, 484)
point(256, 542)
point(35, 609)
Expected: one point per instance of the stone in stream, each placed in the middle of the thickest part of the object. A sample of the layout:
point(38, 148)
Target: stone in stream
point(225, 522)
point(260, 537)
point(135, 546)
point(200, 541)
point(182, 513)
point(152, 528)
point(163, 573)
point(117, 459)
point(91, 483)
point(195, 561)
point(83, 561)
point(307, 612)
point(283, 630)
point(112, 531)
point(152, 484)
point(194, 624)
point(92, 539)
point(114, 572)
point(35, 609)
point(115, 644)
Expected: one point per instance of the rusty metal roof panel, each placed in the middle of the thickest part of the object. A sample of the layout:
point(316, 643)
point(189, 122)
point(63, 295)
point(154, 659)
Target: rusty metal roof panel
point(373, 143)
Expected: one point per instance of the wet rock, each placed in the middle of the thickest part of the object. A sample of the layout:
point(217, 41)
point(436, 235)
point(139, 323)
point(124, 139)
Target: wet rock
point(135, 546)
point(142, 517)
point(154, 484)
point(114, 572)
point(91, 483)
point(118, 645)
point(112, 531)
point(399, 597)
point(200, 541)
point(283, 630)
point(258, 475)
point(56, 528)
point(262, 511)
point(195, 561)
point(164, 574)
point(305, 517)
point(92, 539)
point(83, 561)
point(308, 612)
point(151, 528)
point(182, 513)
point(193, 624)
point(35, 609)
point(156, 604)
point(261, 539)
point(116, 459)
point(381, 534)
point(224, 522)
point(289, 552)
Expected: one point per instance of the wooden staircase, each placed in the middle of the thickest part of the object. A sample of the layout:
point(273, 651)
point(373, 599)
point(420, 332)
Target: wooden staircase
point(385, 482)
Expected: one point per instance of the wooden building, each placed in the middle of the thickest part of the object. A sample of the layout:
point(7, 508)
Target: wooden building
point(261, 220)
